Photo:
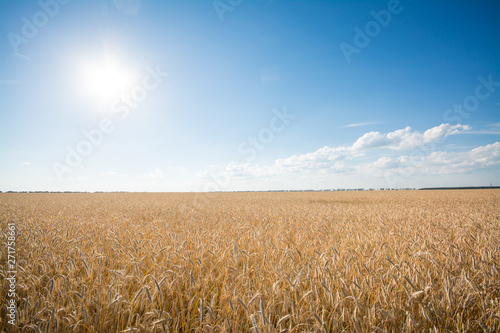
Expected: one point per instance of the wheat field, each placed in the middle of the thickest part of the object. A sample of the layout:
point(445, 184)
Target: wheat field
point(381, 261)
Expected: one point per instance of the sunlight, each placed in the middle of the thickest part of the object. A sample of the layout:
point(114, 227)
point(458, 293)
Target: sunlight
point(105, 80)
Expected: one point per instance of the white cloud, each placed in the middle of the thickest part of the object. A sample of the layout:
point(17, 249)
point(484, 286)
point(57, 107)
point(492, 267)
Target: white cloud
point(405, 139)
point(108, 173)
point(483, 156)
point(332, 157)
point(353, 160)
point(157, 173)
point(26, 163)
point(398, 170)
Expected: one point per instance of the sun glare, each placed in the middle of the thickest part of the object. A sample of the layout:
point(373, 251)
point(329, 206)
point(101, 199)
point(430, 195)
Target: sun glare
point(106, 80)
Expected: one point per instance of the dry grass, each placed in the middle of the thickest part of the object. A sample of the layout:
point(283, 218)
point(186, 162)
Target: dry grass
point(409, 261)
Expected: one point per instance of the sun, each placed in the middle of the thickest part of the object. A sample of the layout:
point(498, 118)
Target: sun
point(106, 79)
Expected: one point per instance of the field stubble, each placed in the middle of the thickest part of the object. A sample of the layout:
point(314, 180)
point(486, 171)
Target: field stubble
point(398, 261)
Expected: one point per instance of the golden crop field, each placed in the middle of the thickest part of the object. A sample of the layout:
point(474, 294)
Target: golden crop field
point(392, 261)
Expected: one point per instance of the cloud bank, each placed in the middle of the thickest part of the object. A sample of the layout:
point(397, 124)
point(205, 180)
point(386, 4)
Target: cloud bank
point(401, 153)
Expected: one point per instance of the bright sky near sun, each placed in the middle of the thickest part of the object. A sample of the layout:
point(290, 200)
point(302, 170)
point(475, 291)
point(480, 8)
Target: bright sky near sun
point(248, 95)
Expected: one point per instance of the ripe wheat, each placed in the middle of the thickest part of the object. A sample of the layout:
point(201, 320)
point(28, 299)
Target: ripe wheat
point(405, 261)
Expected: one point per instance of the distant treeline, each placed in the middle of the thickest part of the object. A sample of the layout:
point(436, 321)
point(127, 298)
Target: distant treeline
point(459, 188)
point(324, 190)
point(63, 192)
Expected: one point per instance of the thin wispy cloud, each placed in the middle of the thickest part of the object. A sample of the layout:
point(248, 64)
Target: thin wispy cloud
point(22, 56)
point(361, 124)
point(486, 132)
point(108, 173)
point(79, 178)
point(491, 129)
point(10, 82)
point(269, 74)
point(157, 173)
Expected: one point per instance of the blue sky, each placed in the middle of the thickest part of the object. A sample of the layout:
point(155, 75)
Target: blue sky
point(248, 95)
